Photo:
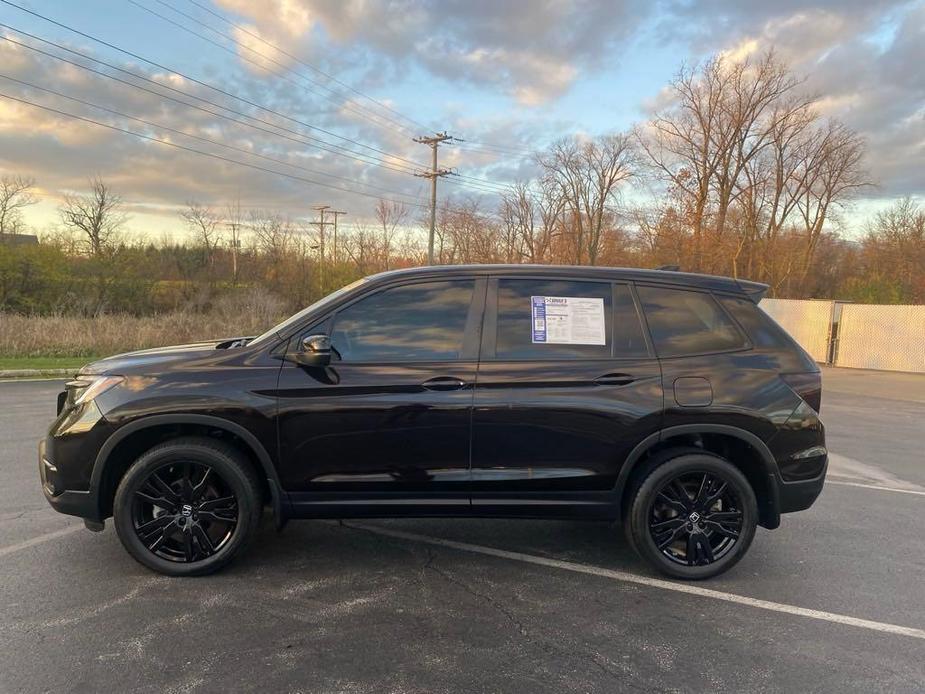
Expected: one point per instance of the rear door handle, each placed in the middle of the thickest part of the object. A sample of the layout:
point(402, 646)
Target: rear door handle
point(614, 380)
point(443, 383)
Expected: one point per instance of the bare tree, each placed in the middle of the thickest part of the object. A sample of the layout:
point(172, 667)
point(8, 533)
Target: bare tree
point(530, 220)
point(391, 216)
point(745, 161)
point(273, 238)
point(723, 116)
point(97, 216)
point(769, 188)
point(834, 174)
point(205, 224)
point(588, 174)
point(15, 194)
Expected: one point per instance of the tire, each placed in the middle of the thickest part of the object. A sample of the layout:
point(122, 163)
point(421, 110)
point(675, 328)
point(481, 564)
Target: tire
point(188, 506)
point(692, 516)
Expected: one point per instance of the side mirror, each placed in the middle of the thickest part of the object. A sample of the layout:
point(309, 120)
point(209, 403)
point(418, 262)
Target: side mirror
point(314, 350)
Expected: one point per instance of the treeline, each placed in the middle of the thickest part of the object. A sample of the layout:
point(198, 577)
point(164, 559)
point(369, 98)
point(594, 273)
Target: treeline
point(740, 175)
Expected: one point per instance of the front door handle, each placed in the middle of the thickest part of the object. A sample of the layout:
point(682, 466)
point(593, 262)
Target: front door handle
point(443, 383)
point(614, 380)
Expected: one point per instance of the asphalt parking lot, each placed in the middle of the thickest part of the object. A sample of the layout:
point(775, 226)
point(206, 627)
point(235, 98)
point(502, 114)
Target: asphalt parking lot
point(834, 600)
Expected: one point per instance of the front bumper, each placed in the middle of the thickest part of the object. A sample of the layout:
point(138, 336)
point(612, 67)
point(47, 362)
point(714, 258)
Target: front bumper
point(72, 502)
point(66, 457)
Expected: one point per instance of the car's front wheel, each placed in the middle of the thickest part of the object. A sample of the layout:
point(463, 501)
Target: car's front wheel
point(188, 506)
point(693, 516)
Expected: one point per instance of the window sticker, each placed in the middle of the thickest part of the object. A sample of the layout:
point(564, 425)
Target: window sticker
point(568, 320)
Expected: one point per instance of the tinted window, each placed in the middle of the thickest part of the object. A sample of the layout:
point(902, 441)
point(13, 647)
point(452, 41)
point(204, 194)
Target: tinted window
point(417, 322)
point(761, 328)
point(628, 338)
point(515, 319)
point(683, 322)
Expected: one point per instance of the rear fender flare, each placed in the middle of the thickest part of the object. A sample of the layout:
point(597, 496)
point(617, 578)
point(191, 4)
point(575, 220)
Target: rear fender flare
point(772, 509)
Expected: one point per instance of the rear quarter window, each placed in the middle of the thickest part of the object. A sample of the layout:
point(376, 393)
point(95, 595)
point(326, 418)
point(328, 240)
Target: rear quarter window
point(761, 328)
point(687, 322)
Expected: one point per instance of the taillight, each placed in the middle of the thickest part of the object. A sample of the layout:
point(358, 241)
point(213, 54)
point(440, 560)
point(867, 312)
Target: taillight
point(808, 386)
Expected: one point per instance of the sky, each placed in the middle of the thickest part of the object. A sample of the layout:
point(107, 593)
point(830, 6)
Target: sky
point(332, 93)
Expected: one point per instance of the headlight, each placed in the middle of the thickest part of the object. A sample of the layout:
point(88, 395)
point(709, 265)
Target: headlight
point(86, 388)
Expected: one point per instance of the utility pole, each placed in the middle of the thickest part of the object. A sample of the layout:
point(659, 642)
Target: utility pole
point(235, 245)
point(235, 224)
point(336, 213)
point(434, 173)
point(321, 224)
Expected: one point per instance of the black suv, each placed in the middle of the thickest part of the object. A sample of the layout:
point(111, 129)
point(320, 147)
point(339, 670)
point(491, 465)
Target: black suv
point(666, 400)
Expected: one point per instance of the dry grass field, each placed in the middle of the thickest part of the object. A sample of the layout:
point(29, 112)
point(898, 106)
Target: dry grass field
point(40, 337)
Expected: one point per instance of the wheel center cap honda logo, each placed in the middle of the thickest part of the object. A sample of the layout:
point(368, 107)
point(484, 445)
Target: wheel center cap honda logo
point(186, 510)
point(694, 517)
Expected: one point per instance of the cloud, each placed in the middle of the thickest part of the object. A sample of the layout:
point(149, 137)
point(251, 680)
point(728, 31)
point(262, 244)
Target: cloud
point(530, 50)
point(516, 57)
point(62, 152)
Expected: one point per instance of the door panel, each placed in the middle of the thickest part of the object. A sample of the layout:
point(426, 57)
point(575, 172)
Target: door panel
point(390, 417)
point(559, 427)
point(376, 428)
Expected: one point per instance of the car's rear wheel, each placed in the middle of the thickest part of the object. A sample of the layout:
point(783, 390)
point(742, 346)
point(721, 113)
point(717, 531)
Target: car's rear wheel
point(188, 506)
point(693, 516)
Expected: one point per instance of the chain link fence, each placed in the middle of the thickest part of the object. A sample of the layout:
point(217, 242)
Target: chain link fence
point(860, 336)
point(881, 337)
point(808, 322)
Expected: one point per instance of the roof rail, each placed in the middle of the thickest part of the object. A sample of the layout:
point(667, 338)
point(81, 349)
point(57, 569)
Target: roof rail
point(669, 268)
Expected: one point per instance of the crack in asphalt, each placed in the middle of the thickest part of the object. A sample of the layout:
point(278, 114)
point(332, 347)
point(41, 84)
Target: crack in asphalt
point(536, 639)
point(542, 642)
point(15, 515)
point(481, 597)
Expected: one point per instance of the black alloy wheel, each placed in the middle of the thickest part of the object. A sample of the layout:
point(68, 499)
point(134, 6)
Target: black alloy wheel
point(691, 514)
point(184, 512)
point(696, 519)
point(188, 506)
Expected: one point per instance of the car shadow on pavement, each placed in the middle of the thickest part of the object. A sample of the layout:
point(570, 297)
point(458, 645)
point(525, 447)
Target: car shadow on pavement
point(357, 544)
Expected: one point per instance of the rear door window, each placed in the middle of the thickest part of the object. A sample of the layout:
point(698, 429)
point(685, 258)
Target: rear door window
point(553, 319)
point(687, 322)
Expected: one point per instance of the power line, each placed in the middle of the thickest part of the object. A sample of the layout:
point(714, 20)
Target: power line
point(199, 151)
point(481, 183)
point(472, 182)
point(469, 181)
point(361, 111)
point(194, 80)
point(253, 35)
point(466, 144)
point(308, 139)
point(204, 139)
point(495, 149)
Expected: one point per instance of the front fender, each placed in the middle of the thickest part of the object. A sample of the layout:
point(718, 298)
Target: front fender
point(105, 456)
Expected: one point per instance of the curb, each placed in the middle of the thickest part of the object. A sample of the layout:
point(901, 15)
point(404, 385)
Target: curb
point(32, 373)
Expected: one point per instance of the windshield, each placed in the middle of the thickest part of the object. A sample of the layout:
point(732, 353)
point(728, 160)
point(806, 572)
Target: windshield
point(297, 318)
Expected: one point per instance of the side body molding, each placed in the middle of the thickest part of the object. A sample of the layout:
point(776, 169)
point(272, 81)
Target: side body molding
point(277, 495)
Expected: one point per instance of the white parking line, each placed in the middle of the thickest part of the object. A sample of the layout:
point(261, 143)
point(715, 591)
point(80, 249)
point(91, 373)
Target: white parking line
point(853, 472)
point(875, 486)
point(688, 588)
point(39, 540)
